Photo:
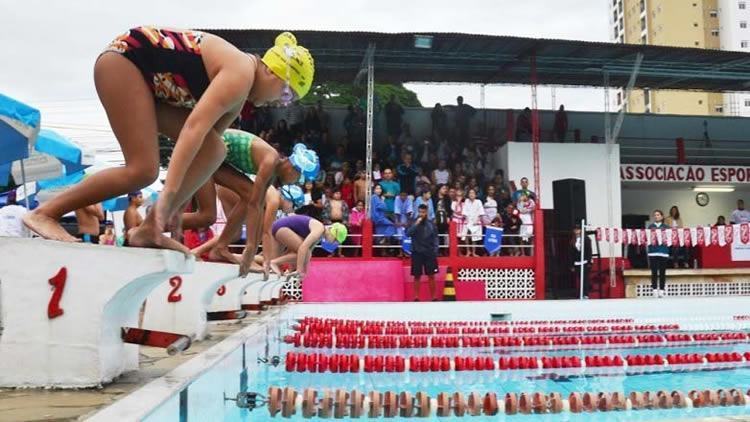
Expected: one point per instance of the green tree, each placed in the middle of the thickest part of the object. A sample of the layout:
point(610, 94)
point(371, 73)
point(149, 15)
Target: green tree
point(333, 93)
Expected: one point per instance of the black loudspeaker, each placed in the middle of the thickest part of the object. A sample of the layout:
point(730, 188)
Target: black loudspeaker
point(569, 197)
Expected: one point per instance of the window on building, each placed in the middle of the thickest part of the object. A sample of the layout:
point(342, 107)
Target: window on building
point(617, 31)
point(646, 97)
point(742, 5)
point(719, 108)
point(715, 32)
point(622, 24)
point(643, 39)
point(697, 43)
point(643, 6)
point(743, 24)
point(713, 14)
point(747, 103)
point(643, 24)
point(619, 99)
point(695, 24)
point(743, 44)
point(700, 102)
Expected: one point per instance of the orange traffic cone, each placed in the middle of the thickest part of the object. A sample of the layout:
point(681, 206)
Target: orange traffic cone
point(449, 289)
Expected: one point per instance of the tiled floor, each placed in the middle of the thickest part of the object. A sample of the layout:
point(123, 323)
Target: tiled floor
point(70, 405)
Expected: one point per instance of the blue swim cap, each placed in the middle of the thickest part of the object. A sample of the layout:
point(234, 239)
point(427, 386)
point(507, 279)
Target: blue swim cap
point(293, 194)
point(306, 162)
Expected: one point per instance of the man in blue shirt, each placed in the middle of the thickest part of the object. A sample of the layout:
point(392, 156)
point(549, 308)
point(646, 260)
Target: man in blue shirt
point(403, 210)
point(426, 199)
point(523, 191)
point(391, 189)
point(407, 174)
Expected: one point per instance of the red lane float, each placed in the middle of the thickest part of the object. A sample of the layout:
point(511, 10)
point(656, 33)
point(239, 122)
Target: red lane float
point(339, 363)
point(353, 341)
point(380, 328)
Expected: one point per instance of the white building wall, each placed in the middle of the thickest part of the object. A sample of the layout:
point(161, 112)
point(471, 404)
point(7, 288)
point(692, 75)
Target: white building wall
point(564, 161)
point(734, 32)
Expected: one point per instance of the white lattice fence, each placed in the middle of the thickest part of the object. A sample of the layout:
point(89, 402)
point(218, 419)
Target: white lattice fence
point(502, 283)
point(293, 289)
point(737, 288)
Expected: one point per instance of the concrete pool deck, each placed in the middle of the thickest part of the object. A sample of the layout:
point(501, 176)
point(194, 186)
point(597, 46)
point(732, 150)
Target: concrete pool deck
point(71, 405)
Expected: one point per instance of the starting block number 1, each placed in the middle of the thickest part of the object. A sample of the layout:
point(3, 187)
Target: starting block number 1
point(58, 285)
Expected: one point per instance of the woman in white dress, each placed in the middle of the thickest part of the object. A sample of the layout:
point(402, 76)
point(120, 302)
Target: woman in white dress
point(526, 207)
point(473, 211)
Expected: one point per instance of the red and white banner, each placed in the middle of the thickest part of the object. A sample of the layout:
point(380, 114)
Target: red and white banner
point(695, 236)
point(684, 173)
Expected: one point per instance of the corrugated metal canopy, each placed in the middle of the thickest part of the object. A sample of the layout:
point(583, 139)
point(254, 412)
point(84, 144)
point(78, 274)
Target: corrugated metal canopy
point(489, 59)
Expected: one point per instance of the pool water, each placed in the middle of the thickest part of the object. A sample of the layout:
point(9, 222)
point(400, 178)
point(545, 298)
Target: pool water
point(242, 372)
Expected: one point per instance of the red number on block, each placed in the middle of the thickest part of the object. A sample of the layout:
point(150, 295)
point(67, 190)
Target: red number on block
point(176, 283)
point(221, 290)
point(58, 285)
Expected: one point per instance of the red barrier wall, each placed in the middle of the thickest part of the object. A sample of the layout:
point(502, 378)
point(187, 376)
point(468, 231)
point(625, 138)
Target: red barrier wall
point(354, 280)
point(718, 257)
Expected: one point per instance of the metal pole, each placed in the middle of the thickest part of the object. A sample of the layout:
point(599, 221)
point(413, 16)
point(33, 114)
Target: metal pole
point(368, 160)
point(25, 189)
point(583, 247)
point(535, 132)
point(608, 138)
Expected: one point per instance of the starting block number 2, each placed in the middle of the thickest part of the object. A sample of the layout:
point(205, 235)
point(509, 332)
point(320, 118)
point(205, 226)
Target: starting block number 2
point(58, 285)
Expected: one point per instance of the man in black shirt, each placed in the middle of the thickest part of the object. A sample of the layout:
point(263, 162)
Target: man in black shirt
point(424, 247)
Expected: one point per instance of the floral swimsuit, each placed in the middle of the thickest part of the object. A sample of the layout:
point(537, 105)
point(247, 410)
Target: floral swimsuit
point(170, 61)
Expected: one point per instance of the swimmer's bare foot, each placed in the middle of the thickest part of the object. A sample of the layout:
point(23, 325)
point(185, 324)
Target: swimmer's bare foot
point(204, 248)
point(275, 269)
point(147, 237)
point(222, 254)
point(47, 227)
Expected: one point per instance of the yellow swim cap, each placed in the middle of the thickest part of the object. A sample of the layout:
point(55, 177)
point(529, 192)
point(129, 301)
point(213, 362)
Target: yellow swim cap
point(291, 62)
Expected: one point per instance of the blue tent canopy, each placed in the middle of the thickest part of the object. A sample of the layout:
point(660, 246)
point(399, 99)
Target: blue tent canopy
point(19, 126)
point(54, 144)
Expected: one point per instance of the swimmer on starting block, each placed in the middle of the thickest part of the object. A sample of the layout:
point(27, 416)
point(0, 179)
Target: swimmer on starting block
point(249, 170)
point(189, 86)
point(299, 234)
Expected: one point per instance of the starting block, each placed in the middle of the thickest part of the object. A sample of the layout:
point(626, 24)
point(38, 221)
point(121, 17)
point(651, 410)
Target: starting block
point(259, 296)
point(230, 298)
point(180, 303)
point(65, 306)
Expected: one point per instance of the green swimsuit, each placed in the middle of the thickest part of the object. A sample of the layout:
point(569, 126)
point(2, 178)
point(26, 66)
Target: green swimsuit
point(239, 144)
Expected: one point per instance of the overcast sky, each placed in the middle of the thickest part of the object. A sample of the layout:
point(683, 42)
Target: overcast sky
point(48, 47)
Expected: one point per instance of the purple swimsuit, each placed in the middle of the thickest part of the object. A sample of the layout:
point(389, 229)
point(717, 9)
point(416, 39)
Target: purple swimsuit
point(299, 224)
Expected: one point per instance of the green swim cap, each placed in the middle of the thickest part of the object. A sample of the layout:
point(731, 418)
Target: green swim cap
point(339, 232)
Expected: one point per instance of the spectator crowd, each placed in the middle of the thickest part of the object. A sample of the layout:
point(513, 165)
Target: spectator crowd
point(453, 172)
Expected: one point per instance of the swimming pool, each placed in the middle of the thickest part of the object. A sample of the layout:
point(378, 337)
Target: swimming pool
point(262, 360)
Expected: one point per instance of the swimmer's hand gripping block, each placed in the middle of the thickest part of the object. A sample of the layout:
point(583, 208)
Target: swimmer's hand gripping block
point(63, 307)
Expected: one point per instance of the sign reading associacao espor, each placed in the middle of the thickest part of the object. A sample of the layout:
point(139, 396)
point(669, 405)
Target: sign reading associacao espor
point(684, 173)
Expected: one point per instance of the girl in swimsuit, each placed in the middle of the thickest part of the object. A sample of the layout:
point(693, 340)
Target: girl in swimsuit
point(248, 156)
point(299, 234)
point(189, 86)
